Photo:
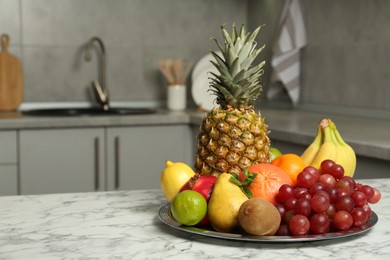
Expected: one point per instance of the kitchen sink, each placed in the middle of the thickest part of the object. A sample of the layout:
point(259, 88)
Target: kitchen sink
point(88, 111)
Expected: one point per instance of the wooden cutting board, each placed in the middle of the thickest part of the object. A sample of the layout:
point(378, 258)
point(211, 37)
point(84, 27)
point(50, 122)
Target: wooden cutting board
point(11, 78)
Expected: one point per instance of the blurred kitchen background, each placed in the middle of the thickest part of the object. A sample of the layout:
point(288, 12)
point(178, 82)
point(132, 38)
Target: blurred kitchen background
point(344, 64)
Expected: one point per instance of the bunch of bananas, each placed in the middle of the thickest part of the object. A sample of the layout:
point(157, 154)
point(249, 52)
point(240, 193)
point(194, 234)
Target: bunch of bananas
point(328, 144)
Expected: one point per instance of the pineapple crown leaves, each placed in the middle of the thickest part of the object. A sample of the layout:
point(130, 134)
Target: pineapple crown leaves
point(238, 84)
point(249, 178)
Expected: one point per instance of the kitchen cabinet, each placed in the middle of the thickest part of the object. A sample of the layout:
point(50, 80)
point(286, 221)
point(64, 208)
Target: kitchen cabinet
point(8, 163)
point(136, 155)
point(61, 160)
point(96, 159)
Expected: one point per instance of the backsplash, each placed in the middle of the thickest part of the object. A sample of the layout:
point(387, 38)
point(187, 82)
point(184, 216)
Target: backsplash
point(49, 37)
point(345, 64)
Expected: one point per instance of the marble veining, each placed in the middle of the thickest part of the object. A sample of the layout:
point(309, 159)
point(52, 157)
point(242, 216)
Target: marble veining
point(124, 225)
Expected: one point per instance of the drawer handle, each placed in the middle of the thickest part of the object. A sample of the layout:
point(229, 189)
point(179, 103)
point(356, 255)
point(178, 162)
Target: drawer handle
point(97, 163)
point(117, 162)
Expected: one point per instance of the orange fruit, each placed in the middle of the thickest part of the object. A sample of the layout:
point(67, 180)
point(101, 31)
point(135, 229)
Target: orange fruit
point(291, 163)
point(267, 182)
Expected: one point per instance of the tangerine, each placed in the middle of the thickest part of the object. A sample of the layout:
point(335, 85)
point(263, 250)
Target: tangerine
point(267, 182)
point(291, 163)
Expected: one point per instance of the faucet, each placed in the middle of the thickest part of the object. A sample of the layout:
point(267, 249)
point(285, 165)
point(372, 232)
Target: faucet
point(99, 86)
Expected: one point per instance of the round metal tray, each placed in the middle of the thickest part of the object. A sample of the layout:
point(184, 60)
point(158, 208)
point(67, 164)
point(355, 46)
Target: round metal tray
point(165, 216)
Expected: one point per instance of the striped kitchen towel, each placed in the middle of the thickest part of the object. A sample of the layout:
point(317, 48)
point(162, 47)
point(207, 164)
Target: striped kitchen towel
point(286, 53)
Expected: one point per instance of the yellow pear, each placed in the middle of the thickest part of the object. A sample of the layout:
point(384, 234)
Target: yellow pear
point(173, 177)
point(224, 204)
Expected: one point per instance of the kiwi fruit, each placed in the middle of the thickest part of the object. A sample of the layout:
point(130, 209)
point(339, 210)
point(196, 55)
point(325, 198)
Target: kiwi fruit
point(259, 217)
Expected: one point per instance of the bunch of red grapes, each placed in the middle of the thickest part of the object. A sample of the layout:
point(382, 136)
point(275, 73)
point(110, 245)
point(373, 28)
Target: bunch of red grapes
point(324, 201)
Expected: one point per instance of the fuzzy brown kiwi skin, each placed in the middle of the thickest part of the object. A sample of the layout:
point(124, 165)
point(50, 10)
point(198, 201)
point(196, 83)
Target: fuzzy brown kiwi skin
point(259, 217)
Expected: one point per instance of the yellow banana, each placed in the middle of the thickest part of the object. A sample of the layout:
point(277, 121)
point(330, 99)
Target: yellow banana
point(311, 151)
point(342, 156)
point(349, 163)
point(328, 149)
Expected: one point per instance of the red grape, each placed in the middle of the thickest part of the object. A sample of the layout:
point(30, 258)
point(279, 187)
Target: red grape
point(352, 180)
point(319, 223)
point(303, 207)
point(377, 196)
point(337, 171)
point(285, 191)
point(331, 210)
point(299, 225)
point(316, 187)
point(302, 194)
point(298, 191)
point(320, 202)
point(342, 192)
point(345, 203)
point(305, 179)
point(359, 198)
point(282, 210)
point(347, 184)
point(368, 210)
point(368, 190)
point(289, 204)
point(327, 180)
point(305, 195)
point(342, 220)
point(333, 194)
point(283, 230)
point(325, 166)
point(324, 200)
point(310, 169)
point(359, 217)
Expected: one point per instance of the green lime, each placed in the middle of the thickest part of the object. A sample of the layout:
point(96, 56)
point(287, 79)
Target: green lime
point(274, 153)
point(189, 207)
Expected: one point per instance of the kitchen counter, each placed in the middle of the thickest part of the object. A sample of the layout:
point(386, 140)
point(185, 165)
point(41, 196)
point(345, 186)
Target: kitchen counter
point(124, 225)
point(368, 137)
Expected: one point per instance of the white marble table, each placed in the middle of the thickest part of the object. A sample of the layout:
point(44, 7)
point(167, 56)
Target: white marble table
point(124, 225)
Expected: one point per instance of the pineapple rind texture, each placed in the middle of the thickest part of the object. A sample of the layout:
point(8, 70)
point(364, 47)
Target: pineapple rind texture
point(231, 140)
point(232, 136)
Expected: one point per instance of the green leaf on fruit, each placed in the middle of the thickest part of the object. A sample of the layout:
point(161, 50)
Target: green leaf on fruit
point(249, 178)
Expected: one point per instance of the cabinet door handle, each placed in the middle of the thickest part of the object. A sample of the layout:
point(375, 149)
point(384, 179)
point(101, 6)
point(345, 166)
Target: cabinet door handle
point(97, 163)
point(117, 165)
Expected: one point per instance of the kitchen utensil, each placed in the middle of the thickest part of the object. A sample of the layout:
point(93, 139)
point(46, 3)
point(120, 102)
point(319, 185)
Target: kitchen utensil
point(178, 72)
point(11, 79)
point(174, 71)
point(165, 67)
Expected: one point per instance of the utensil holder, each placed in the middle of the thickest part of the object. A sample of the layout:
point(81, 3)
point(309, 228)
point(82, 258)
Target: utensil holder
point(176, 98)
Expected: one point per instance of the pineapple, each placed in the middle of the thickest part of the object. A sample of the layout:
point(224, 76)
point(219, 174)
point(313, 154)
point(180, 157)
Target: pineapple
point(233, 136)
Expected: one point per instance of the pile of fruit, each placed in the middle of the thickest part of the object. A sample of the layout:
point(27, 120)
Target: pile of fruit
point(241, 184)
point(266, 202)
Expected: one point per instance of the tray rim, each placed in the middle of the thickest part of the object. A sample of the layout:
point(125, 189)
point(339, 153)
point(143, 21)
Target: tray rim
point(164, 215)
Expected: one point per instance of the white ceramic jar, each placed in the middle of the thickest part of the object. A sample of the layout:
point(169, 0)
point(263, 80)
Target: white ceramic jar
point(176, 98)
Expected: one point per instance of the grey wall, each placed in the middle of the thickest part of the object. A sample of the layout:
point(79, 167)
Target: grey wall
point(49, 35)
point(345, 64)
point(265, 12)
